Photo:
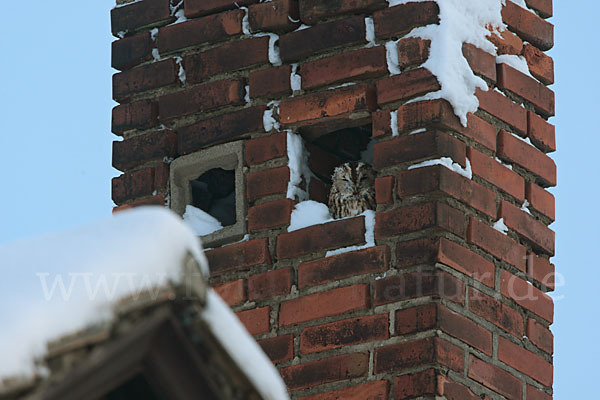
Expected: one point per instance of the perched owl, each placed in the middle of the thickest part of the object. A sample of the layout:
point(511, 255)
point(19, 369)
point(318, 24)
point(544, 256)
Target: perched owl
point(352, 190)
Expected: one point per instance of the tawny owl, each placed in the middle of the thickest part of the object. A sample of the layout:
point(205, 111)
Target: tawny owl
point(352, 190)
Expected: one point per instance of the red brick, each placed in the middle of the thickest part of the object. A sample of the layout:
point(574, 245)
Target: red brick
point(384, 190)
point(202, 98)
point(271, 82)
point(357, 64)
point(414, 252)
point(345, 265)
point(495, 243)
point(140, 149)
point(234, 293)
point(526, 87)
point(527, 296)
point(377, 390)
point(269, 284)
point(399, 20)
point(416, 319)
point(211, 29)
point(541, 132)
point(412, 51)
point(525, 361)
point(279, 349)
point(256, 321)
point(540, 336)
point(496, 312)
point(414, 385)
point(540, 65)
point(239, 54)
point(439, 113)
point(431, 144)
point(455, 391)
point(405, 86)
point(278, 16)
point(298, 45)
point(313, 10)
point(131, 51)
point(324, 304)
point(481, 62)
point(544, 7)
point(496, 173)
point(495, 378)
point(137, 15)
point(503, 108)
point(139, 183)
point(195, 8)
point(540, 200)
point(528, 26)
point(270, 215)
point(506, 42)
point(268, 182)
point(141, 114)
point(416, 353)
point(331, 369)
point(535, 394)
point(466, 261)
point(143, 78)
point(541, 270)
point(527, 156)
point(527, 226)
point(418, 217)
point(439, 179)
point(239, 255)
point(418, 284)
point(220, 129)
point(344, 333)
point(465, 330)
point(266, 148)
point(158, 200)
point(342, 103)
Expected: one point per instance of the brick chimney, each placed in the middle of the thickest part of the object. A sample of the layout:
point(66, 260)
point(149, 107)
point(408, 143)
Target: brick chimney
point(450, 298)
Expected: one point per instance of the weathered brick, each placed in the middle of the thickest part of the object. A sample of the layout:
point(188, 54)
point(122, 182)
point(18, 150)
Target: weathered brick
point(270, 215)
point(506, 42)
point(541, 270)
point(229, 57)
point(544, 7)
point(140, 149)
point(344, 333)
point(266, 148)
point(525, 361)
point(271, 82)
point(494, 378)
point(528, 26)
point(256, 320)
point(540, 336)
point(430, 144)
point(535, 394)
point(233, 293)
point(144, 77)
point(279, 348)
point(525, 225)
point(399, 20)
point(405, 86)
point(324, 304)
point(384, 190)
point(297, 45)
point(496, 312)
point(202, 98)
point(131, 51)
point(416, 353)
point(141, 114)
point(140, 14)
point(418, 217)
point(456, 391)
point(496, 173)
point(503, 108)
point(328, 269)
point(414, 252)
point(267, 182)
point(377, 390)
point(412, 51)
point(526, 87)
point(331, 369)
point(219, 129)
point(540, 65)
point(239, 256)
point(195, 8)
point(313, 10)
point(158, 200)
point(481, 62)
point(416, 319)
point(269, 284)
point(464, 329)
point(418, 284)
point(139, 183)
point(278, 16)
point(497, 244)
point(541, 132)
point(332, 235)
point(466, 261)
point(527, 296)
point(416, 384)
point(357, 64)
point(211, 29)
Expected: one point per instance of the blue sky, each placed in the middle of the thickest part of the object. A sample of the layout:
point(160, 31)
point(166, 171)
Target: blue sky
point(55, 148)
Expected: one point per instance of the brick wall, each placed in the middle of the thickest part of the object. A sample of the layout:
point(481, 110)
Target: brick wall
point(444, 304)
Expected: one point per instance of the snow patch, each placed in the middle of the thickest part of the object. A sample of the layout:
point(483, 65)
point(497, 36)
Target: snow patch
point(269, 121)
point(392, 57)
point(295, 79)
point(517, 62)
point(448, 163)
point(298, 165)
point(274, 53)
point(500, 226)
point(370, 32)
point(302, 27)
point(525, 207)
point(200, 221)
point(247, 94)
point(421, 130)
point(309, 213)
point(181, 72)
point(155, 55)
point(245, 22)
point(369, 235)
point(394, 123)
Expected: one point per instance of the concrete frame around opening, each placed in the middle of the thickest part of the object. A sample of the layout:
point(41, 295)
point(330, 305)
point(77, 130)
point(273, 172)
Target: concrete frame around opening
point(189, 167)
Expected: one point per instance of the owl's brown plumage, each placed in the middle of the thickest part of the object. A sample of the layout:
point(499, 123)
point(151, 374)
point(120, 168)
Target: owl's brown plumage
point(352, 190)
